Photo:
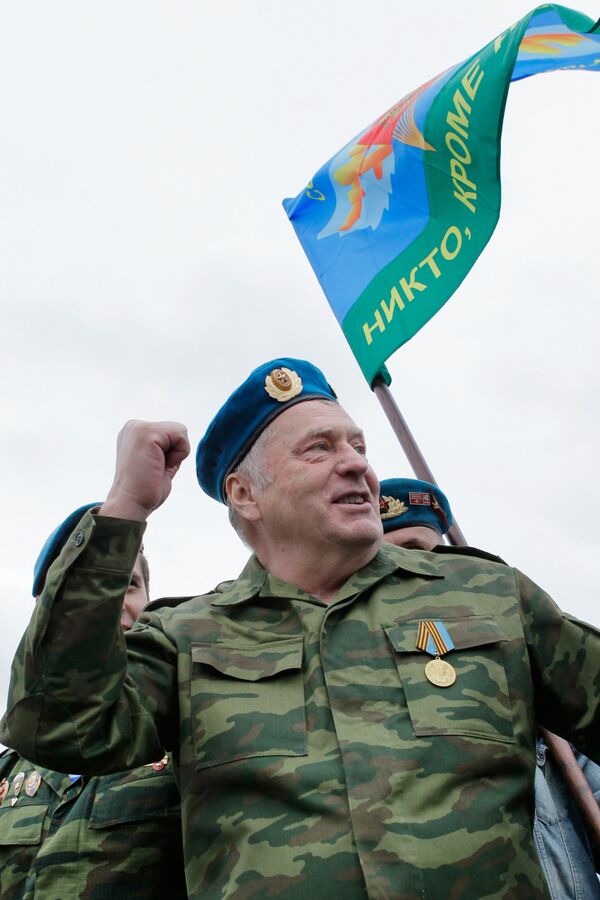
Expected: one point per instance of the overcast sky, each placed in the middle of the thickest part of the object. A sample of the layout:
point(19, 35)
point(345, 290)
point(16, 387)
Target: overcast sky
point(146, 265)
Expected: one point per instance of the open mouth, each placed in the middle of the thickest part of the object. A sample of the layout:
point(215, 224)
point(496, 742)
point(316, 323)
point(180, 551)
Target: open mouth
point(352, 500)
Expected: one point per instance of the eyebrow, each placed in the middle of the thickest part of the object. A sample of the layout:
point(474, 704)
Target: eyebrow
point(328, 433)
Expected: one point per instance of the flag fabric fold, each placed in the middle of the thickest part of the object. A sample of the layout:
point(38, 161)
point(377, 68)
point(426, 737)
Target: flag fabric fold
point(393, 223)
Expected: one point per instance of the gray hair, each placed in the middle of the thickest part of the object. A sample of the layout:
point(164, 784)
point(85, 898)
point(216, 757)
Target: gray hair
point(254, 467)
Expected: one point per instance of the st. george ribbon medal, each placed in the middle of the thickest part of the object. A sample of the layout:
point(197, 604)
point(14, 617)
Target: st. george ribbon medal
point(440, 672)
point(433, 638)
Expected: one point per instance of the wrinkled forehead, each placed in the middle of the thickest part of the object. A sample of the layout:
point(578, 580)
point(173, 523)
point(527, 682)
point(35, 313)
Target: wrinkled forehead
point(313, 418)
point(416, 537)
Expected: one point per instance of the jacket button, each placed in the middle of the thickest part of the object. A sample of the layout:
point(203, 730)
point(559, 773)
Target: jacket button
point(79, 539)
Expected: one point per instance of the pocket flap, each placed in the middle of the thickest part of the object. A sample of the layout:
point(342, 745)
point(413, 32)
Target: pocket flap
point(134, 796)
point(22, 825)
point(474, 631)
point(251, 663)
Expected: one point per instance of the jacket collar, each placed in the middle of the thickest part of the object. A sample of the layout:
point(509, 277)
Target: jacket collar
point(388, 559)
point(247, 585)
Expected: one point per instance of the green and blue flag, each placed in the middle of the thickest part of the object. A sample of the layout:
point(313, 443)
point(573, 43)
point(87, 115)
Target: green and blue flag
point(394, 222)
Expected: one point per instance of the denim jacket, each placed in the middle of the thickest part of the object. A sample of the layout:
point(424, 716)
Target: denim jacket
point(559, 832)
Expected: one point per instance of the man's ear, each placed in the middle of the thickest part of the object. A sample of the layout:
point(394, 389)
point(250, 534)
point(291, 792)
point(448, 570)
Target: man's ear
point(241, 494)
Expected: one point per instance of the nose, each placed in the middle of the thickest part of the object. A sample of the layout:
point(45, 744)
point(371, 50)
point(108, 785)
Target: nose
point(350, 462)
point(127, 618)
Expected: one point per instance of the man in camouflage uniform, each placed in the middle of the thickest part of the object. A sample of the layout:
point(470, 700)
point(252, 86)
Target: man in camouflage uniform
point(348, 719)
point(68, 837)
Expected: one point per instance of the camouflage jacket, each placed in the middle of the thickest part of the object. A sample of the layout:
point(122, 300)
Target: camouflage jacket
point(115, 836)
point(314, 757)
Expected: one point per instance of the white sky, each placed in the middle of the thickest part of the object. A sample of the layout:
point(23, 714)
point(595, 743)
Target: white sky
point(146, 265)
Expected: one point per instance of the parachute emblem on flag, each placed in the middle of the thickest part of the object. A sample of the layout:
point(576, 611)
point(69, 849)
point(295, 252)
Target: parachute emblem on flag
point(366, 165)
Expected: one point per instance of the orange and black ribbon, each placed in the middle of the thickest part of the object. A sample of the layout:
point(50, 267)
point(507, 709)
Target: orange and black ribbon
point(433, 638)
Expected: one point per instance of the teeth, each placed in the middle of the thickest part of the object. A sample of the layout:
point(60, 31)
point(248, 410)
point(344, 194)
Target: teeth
point(352, 499)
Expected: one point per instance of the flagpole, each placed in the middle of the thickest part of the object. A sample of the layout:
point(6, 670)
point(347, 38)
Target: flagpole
point(410, 447)
point(559, 748)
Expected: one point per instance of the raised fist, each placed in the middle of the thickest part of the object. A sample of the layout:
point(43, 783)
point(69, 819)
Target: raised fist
point(148, 457)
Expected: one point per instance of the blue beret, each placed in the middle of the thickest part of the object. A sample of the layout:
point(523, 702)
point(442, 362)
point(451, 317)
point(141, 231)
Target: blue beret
point(408, 501)
point(53, 545)
point(268, 391)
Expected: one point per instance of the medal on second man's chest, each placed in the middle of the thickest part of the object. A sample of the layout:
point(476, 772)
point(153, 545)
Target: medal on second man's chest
point(16, 786)
point(32, 783)
point(433, 638)
point(159, 766)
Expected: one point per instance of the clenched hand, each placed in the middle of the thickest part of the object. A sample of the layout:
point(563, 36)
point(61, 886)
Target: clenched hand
point(148, 457)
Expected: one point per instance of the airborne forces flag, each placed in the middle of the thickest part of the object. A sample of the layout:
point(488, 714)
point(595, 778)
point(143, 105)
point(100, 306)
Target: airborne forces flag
point(394, 222)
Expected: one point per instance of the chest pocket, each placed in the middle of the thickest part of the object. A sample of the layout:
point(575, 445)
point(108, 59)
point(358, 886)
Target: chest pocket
point(135, 796)
point(247, 701)
point(478, 704)
point(22, 825)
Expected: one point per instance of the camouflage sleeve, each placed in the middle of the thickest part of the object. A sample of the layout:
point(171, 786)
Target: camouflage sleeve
point(74, 704)
point(565, 660)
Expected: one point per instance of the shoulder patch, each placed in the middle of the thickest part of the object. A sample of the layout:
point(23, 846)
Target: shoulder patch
point(469, 551)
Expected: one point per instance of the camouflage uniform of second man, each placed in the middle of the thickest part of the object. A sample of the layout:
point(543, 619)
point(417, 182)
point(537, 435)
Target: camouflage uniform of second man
point(72, 837)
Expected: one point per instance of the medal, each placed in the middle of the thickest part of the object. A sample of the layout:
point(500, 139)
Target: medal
point(3, 789)
point(440, 672)
point(433, 638)
point(32, 784)
point(17, 785)
point(159, 766)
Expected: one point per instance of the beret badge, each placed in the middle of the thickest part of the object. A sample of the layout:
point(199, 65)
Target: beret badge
point(283, 384)
point(389, 507)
